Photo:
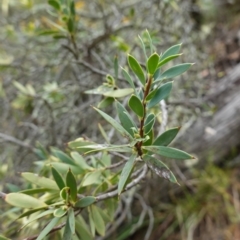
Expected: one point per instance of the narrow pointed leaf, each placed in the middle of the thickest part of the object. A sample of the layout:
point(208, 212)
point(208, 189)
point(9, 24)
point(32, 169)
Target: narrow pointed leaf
point(114, 123)
point(105, 102)
point(167, 59)
point(23, 201)
point(54, 4)
point(150, 41)
point(150, 140)
point(143, 47)
point(174, 71)
point(136, 105)
point(67, 234)
point(166, 138)
point(58, 178)
point(45, 213)
point(125, 118)
point(162, 93)
point(151, 94)
point(92, 178)
point(171, 51)
point(29, 212)
point(85, 202)
point(64, 193)
point(82, 229)
point(72, 184)
point(159, 168)
point(128, 78)
point(98, 220)
point(119, 93)
point(40, 181)
point(169, 152)
point(137, 69)
point(106, 147)
point(127, 169)
point(71, 220)
point(62, 156)
point(48, 228)
point(152, 63)
point(116, 67)
point(80, 161)
point(150, 120)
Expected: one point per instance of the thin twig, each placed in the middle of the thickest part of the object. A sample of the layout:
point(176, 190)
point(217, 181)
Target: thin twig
point(130, 185)
point(2, 195)
point(16, 141)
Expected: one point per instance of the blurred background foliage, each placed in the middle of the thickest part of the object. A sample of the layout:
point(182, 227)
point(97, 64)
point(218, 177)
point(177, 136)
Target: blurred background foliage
point(49, 57)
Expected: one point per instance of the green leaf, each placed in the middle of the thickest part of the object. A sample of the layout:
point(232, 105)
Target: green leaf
point(114, 123)
point(150, 140)
point(174, 71)
point(58, 178)
point(136, 105)
point(4, 238)
point(143, 47)
point(80, 161)
point(62, 168)
point(62, 156)
point(171, 51)
point(92, 178)
point(150, 41)
point(159, 168)
point(116, 67)
point(45, 213)
point(166, 138)
point(150, 120)
point(85, 202)
point(40, 181)
point(33, 191)
point(162, 93)
point(70, 25)
point(106, 147)
point(59, 212)
point(152, 63)
point(105, 102)
point(169, 152)
point(72, 184)
point(29, 212)
point(151, 94)
point(128, 78)
point(48, 228)
point(118, 93)
point(82, 229)
point(125, 174)
point(137, 69)
point(64, 193)
point(71, 220)
point(23, 201)
point(166, 60)
point(55, 4)
point(72, 8)
point(67, 234)
point(98, 220)
point(125, 118)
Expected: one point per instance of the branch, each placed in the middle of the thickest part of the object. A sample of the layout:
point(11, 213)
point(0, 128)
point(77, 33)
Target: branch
point(130, 185)
point(16, 141)
point(2, 195)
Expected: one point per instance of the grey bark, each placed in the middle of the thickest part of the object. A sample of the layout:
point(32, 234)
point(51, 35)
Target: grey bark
point(216, 138)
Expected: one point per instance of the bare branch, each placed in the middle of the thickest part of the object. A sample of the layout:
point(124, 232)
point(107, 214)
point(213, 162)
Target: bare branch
point(11, 139)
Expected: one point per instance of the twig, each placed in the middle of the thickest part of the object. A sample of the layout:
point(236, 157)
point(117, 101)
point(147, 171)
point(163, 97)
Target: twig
point(2, 195)
point(130, 185)
point(16, 141)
